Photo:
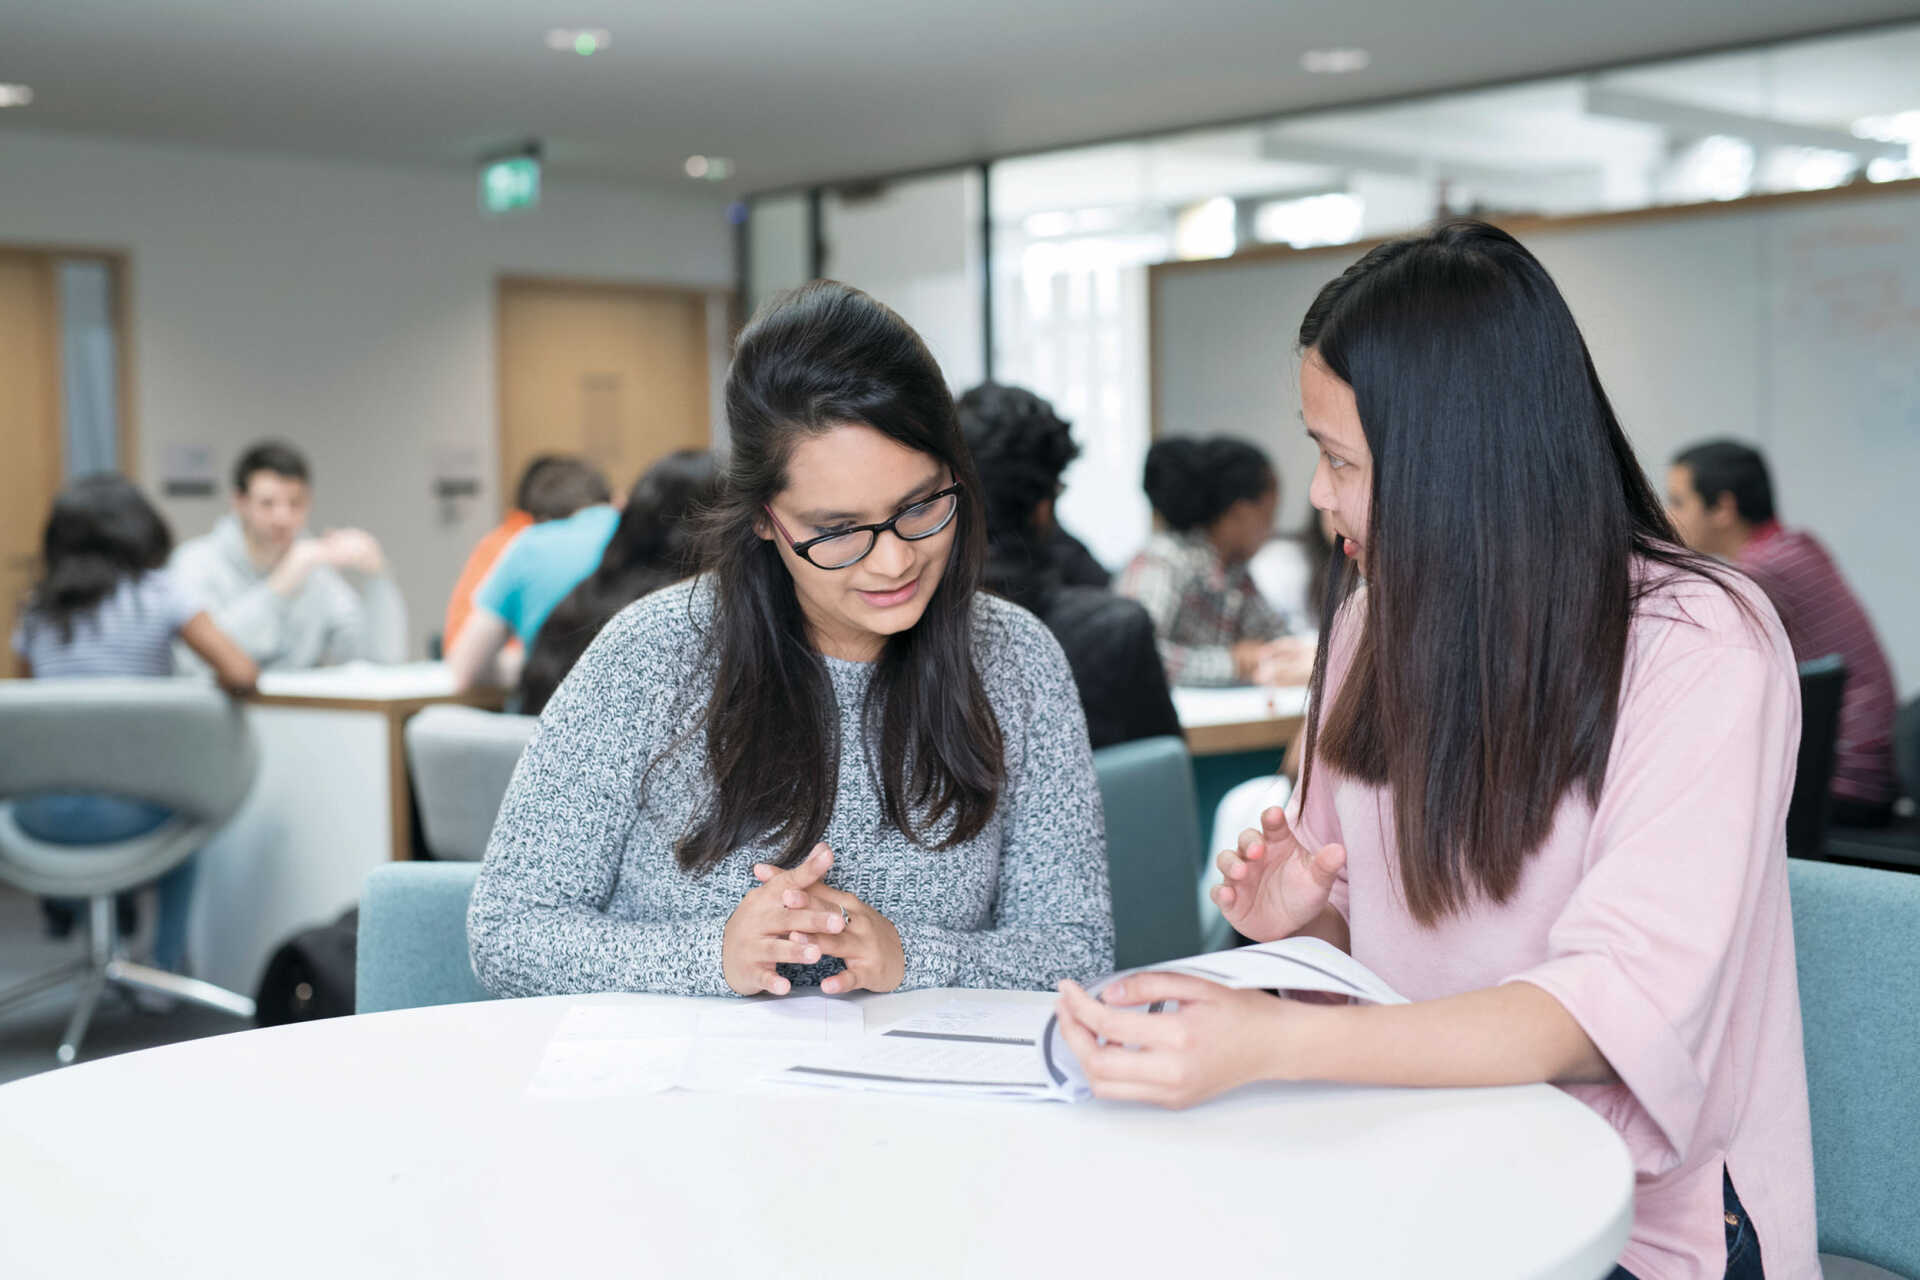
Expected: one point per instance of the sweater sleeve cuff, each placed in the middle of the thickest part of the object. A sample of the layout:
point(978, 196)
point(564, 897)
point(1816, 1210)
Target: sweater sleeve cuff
point(932, 956)
point(1634, 1036)
point(704, 972)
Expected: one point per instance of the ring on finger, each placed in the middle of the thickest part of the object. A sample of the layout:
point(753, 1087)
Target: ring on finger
point(845, 919)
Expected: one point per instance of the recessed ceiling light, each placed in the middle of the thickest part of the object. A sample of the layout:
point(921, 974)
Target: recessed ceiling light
point(584, 41)
point(1335, 62)
point(15, 95)
point(710, 168)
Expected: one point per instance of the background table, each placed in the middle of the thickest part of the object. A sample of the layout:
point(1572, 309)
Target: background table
point(1224, 721)
point(404, 1144)
point(329, 804)
point(1234, 734)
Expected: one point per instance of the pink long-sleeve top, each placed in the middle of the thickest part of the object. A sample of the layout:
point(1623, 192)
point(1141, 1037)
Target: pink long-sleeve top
point(1658, 918)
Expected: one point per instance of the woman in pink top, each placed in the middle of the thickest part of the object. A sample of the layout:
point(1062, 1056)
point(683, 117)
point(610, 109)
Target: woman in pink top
point(1547, 796)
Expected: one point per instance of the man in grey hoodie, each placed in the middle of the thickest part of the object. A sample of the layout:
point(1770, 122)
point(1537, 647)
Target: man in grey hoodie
point(290, 599)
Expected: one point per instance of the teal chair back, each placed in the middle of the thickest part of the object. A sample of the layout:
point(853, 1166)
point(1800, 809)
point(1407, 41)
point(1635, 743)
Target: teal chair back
point(1153, 842)
point(413, 915)
point(1855, 932)
point(413, 937)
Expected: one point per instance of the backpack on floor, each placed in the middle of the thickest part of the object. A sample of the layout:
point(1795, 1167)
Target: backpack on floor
point(311, 975)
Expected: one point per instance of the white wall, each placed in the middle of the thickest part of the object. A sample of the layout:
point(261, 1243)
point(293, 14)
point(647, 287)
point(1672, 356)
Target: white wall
point(778, 255)
point(349, 308)
point(916, 246)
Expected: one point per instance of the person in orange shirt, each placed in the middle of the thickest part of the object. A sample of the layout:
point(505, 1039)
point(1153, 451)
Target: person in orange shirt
point(549, 489)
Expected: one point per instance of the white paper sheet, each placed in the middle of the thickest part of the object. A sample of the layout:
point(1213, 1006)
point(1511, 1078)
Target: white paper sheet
point(616, 1050)
point(975, 1021)
point(808, 1016)
point(926, 1066)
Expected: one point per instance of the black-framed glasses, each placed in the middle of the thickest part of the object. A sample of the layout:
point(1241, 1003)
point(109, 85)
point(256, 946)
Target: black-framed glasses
point(844, 548)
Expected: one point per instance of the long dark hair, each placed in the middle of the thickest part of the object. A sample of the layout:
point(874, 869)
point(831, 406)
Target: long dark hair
point(821, 357)
point(1507, 512)
point(651, 547)
point(102, 529)
point(1191, 483)
point(1020, 447)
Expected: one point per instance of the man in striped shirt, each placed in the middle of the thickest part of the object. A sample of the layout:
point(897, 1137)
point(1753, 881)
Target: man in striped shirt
point(1721, 500)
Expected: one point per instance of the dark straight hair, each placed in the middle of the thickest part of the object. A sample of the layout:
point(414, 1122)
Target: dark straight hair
point(1507, 513)
point(101, 530)
point(821, 357)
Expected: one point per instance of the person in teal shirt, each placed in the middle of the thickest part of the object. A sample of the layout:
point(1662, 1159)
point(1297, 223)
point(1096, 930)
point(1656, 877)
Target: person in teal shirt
point(535, 573)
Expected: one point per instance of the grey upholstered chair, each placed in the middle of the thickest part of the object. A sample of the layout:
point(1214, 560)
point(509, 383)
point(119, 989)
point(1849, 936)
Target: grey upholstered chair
point(176, 743)
point(461, 759)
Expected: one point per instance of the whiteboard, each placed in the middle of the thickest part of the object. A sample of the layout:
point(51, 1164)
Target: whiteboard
point(1793, 325)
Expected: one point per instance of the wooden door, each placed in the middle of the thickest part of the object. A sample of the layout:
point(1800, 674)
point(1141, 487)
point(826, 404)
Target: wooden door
point(29, 427)
point(617, 374)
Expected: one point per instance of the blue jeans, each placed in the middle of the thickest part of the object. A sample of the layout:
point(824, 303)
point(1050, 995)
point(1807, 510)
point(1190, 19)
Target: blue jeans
point(74, 818)
point(1743, 1245)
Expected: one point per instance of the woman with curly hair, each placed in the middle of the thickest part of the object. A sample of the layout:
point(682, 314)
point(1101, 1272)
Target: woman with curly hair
point(1021, 447)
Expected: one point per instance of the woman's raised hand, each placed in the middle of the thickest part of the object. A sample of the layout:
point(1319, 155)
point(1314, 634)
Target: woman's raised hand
point(1272, 886)
point(764, 932)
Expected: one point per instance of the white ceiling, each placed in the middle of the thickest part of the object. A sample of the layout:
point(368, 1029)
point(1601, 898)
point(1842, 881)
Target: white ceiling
point(793, 91)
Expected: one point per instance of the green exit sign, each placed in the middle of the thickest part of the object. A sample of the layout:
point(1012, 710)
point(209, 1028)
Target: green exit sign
point(512, 182)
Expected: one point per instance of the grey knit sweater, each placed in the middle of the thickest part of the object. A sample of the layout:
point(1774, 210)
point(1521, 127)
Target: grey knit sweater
point(580, 890)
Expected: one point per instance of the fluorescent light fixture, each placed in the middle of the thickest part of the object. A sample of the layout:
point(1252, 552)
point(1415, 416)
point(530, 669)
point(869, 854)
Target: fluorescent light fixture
point(1719, 168)
point(1888, 170)
point(1205, 230)
point(584, 41)
point(1902, 126)
point(709, 168)
point(1305, 223)
point(1335, 62)
point(1808, 168)
point(15, 95)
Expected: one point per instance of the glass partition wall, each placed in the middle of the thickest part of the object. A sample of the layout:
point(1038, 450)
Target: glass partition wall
point(1032, 270)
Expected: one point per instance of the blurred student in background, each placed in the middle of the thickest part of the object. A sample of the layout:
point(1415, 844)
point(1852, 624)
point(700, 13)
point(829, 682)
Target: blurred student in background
point(106, 605)
point(1021, 447)
point(1217, 498)
point(533, 502)
point(534, 574)
point(289, 599)
point(652, 547)
point(1721, 500)
point(830, 758)
point(1290, 572)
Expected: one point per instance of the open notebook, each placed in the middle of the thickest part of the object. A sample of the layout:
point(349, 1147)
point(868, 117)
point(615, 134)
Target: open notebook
point(981, 1048)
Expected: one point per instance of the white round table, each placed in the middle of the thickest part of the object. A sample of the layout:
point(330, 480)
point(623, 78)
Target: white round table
point(405, 1144)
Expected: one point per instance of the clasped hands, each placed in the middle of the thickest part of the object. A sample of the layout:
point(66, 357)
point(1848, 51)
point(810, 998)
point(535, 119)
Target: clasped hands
point(1218, 1038)
point(794, 917)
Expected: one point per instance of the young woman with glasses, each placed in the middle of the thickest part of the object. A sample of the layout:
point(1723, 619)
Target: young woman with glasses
point(830, 759)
